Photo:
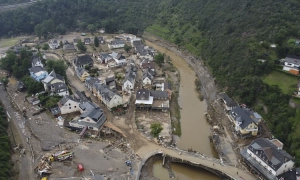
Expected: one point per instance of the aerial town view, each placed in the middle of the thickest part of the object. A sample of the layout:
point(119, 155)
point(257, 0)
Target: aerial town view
point(149, 90)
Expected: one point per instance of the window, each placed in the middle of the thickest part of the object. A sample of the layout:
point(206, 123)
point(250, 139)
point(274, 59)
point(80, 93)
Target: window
point(69, 104)
point(69, 107)
point(74, 106)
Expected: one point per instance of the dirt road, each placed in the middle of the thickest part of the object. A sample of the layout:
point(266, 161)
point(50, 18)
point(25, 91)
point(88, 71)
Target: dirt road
point(25, 163)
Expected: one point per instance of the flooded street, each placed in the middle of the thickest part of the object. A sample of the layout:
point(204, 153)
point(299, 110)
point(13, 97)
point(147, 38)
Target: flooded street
point(195, 130)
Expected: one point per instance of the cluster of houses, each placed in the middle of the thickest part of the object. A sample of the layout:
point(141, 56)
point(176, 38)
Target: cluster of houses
point(53, 83)
point(266, 157)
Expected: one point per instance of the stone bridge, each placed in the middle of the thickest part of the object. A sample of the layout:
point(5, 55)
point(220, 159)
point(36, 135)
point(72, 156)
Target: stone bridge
point(211, 164)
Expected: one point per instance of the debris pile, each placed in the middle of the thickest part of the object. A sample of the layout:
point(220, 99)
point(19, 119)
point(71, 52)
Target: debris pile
point(44, 166)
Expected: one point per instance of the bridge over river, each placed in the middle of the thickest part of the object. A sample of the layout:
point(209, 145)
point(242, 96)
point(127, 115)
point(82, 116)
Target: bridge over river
point(213, 165)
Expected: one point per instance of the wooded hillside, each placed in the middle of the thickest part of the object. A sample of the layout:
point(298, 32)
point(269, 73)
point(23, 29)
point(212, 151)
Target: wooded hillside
point(230, 36)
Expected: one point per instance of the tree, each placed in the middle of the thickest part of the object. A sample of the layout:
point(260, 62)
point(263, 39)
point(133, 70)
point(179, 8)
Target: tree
point(96, 42)
point(57, 65)
point(155, 129)
point(8, 61)
point(38, 47)
point(127, 48)
point(81, 46)
point(159, 59)
point(61, 44)
point(45, 47)
point(38, 30)
point(91, 28)
point(33, 86)
point(61, 29)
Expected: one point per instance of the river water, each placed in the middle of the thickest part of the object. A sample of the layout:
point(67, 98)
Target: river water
point(194, 127)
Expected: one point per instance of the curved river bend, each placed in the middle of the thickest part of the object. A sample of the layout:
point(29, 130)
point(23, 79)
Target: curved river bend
point(195, 130)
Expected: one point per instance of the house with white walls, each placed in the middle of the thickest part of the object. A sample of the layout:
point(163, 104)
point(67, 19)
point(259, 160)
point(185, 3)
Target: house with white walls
point(267, 158)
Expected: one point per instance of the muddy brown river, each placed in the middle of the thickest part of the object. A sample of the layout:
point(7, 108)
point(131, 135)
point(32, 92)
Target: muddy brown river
point(195, 130)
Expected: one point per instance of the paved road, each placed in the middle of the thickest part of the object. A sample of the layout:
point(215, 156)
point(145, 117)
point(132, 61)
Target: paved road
point(26, 170)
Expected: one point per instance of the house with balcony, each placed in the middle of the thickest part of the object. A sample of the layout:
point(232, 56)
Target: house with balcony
point(267, 158)
point(244, 121)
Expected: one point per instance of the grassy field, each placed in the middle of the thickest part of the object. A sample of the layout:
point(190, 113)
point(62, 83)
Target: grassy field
point(9, 42)
point(287, 83)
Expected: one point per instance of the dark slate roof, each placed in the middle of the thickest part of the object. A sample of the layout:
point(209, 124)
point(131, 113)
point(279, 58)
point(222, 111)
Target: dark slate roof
point(228, 101)
point(136, 43)
point(95, 114)
point(55, 75)
point(88, 106)
point(130, 77)
point(147, 74)
point(79, 71)
point(87, 40)
point(69, 47)
point(83, 60)
point(167, 85)
point(60, 86)
point(269, 153)
point(65, 99)
point(149, 70)
point(81, 96)
point(239, 114)
point(36, 69)
point(159, 94)
point(35, 58)
point(142, 94)
point(105, 55)
point(115, 42)
point(91, 81)
point(292, 59)
point(293, 174)
point(141, 50)
point(110, 79)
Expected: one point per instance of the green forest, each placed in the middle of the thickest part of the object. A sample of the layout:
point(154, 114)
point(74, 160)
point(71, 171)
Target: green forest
point(230, 36)
point(5, 165)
